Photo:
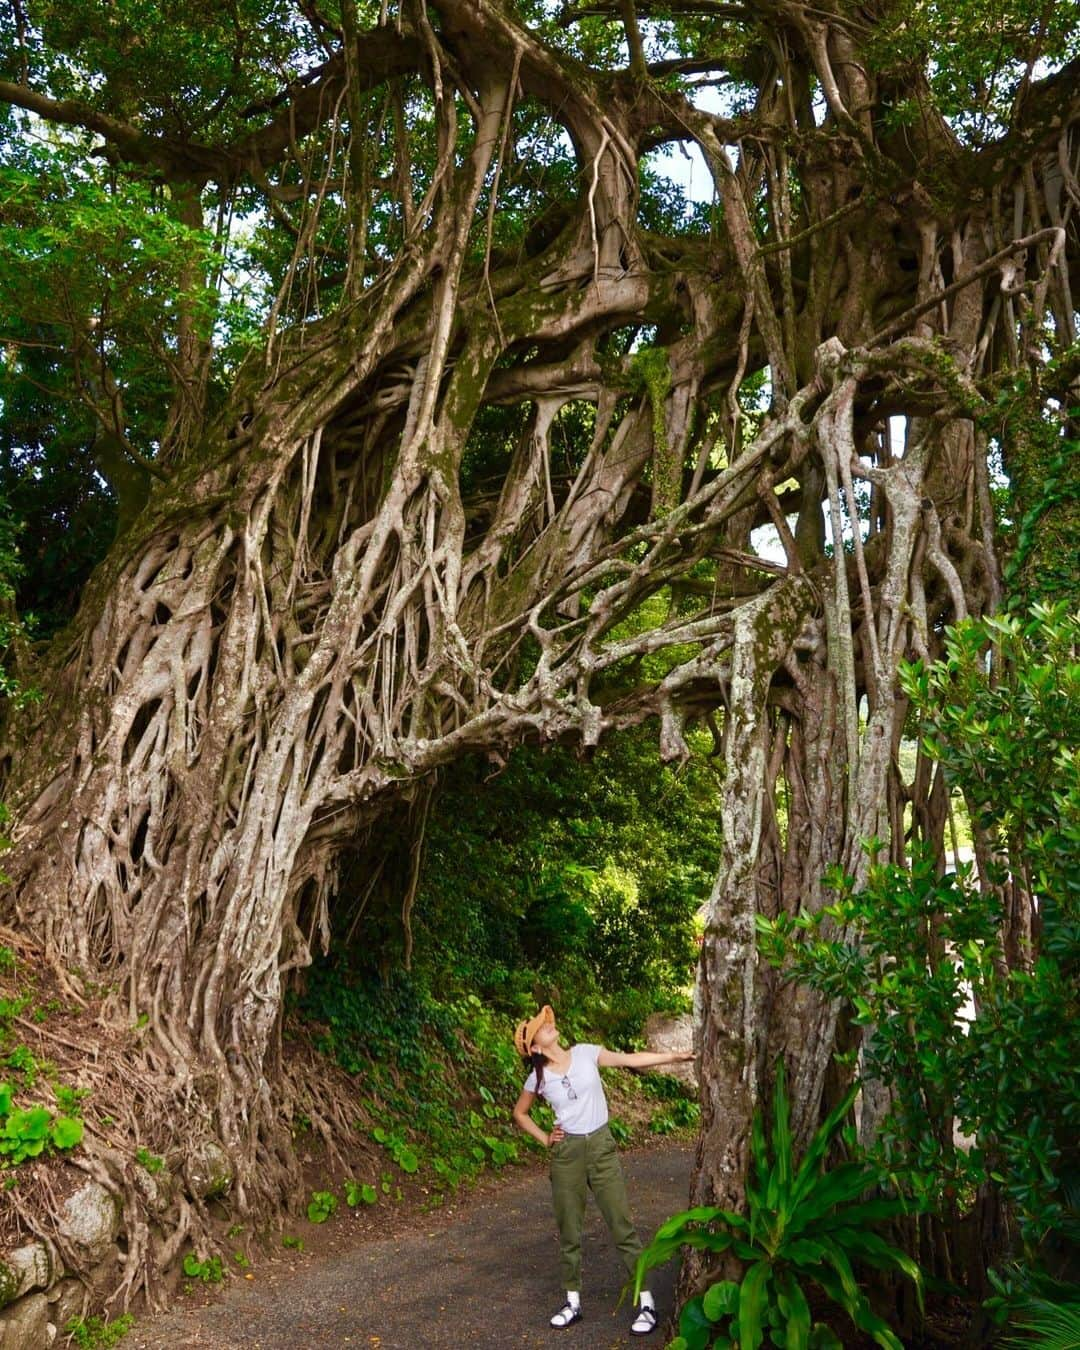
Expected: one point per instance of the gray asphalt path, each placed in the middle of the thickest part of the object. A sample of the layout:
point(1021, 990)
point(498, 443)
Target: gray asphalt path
point(485, 1277)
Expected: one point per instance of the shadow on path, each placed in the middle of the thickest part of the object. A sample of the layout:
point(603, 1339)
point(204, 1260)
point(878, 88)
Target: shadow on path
point(488, 1277)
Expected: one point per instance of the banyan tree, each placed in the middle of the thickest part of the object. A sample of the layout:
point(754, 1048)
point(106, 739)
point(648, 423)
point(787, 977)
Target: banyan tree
point(439, 419)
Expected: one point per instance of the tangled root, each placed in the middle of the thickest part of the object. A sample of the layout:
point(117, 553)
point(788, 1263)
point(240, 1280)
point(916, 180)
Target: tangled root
point(142, 1133)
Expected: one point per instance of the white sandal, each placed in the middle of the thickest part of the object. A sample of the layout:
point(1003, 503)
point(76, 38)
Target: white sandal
point(644, 1322)
point(566, 1316)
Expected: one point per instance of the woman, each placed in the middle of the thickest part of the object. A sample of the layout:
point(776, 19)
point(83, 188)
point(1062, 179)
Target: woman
point(583, 1153)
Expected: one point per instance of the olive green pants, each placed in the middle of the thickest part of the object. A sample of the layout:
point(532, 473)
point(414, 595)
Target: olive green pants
point(590, 1161)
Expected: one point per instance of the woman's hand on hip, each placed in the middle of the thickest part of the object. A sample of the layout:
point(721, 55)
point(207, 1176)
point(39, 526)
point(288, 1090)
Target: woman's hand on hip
point(557, 1135)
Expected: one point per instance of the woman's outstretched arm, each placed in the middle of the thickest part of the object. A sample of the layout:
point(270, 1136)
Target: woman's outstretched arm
point(641, 1059)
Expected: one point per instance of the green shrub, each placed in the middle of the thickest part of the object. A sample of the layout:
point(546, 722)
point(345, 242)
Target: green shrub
point(92, 1333)
point(620, 1131)
point(1045, 1309)
point(1047, 1326)
point(359, 1193)
point(679, 1114)
point(321, 1206)
point(918, 949)
point(209, 1271)
point(403, 1154)
point(27, 1133)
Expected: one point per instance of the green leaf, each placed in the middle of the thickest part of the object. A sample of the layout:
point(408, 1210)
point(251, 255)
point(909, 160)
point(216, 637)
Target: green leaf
point(721, 1300)
point(837, 1258)
point(858, 1310)
point(359, 1193)
point(29, 1125)
point(782, 1141)
point(752, 1305)
point(657, 1252)
point(797, 1311)
point(826, 1280)
point(694, 1327)
point(817, 1148)
point(702, 1214)
point(863, 1245)
point(406, 1159)
point(803, 1252)
point(868, 1212)
point(824, 1192)
point(66, 1131)
point(321, 1206)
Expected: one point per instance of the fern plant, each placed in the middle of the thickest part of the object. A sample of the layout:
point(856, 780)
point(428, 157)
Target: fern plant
point(804, 1226)
point(1042, 1309)
point(1047, 1326)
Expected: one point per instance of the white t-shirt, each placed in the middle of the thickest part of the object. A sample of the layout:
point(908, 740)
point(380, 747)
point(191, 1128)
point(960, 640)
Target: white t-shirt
point(577, 1096)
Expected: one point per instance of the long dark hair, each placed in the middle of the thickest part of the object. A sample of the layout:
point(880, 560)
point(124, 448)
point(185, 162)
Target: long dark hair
point(537, 1060)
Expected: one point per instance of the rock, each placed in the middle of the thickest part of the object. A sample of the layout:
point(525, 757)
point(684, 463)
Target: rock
point(155, 1187)
point(666, 1032)
point(32, 1268)
point(9, 1284)
point(66, 1300)
point(91, 1219)
point(207, 1170)
point(23, 1325)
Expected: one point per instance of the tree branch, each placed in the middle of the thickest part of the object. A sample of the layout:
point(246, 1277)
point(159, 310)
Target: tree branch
point(706, 8)
point(633, 40)
point(384, 53)
point(992, 264)
point(136, 145)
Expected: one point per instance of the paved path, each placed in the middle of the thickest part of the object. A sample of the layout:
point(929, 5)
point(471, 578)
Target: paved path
point(487, 1277)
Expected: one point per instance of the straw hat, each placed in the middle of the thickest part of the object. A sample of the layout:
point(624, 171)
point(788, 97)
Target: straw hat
point(523, 1036)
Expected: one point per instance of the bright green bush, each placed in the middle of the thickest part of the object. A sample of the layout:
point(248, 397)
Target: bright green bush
point(321, 1206)
point(210, 1271)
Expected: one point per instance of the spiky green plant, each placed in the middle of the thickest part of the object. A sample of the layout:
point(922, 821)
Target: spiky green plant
point(804, 1225)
